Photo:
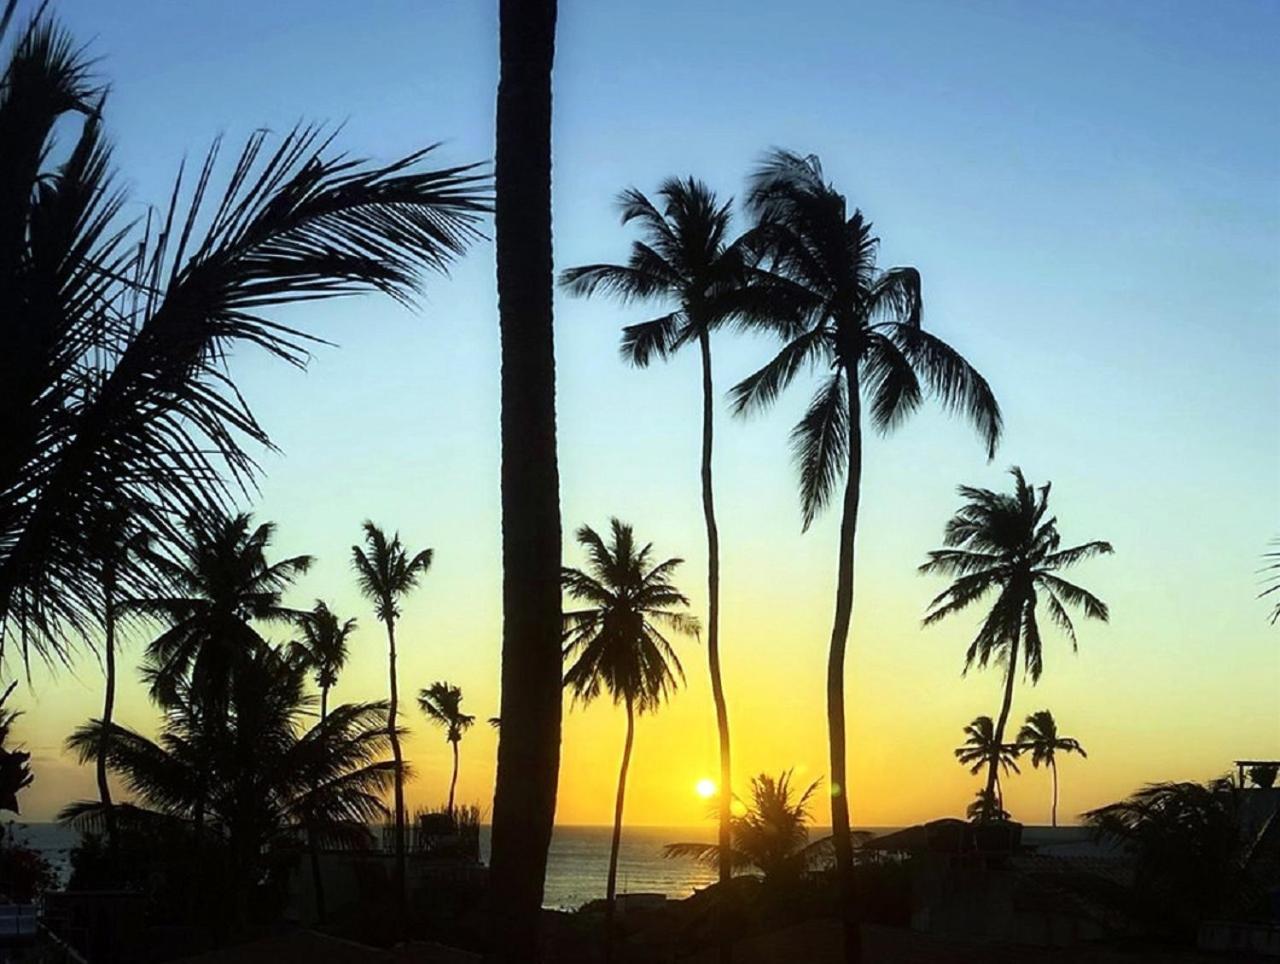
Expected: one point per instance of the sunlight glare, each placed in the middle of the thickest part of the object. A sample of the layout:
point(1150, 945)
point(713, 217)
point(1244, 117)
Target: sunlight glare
point(705, 788)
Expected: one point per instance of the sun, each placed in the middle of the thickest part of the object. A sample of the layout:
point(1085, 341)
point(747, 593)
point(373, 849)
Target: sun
point(705, 788)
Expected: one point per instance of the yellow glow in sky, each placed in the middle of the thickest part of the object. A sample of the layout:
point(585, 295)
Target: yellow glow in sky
point(705, 788)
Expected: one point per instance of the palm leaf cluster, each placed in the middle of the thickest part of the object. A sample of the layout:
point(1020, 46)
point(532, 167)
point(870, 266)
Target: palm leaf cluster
point(1193, 855)
point(114, 389)
point(617, 641)
point(770, 835)
point(1007, 543)
point(981, 748)
point(860, 325)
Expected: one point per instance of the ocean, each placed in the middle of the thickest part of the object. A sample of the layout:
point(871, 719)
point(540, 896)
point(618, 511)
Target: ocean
point(576, 865)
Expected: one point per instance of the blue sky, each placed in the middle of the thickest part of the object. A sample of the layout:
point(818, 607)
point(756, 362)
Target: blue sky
point(1092, 194)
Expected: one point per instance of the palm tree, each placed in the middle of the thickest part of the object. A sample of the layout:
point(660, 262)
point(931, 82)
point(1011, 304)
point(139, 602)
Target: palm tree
point(1008, 543)
point(260, 782)
point(770, 836)
point(687, 260)
point(1193, 857)
point(986, 807)
point(323, 647)
point(219, 585)
point(982, 749)
point(114, 392)
point(15, 765)
point(863, 326)
point(1040, 736)
point(524, 803)
point(385, 573)
point(618, 647)
point(442, 704)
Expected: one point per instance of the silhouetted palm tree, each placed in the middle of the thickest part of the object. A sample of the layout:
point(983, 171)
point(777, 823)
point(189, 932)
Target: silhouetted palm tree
point(862, 325)
point(1193, 858)
point(385, 573)
point(1039, 735)
point(986, 807)
point(771, 835)
point(15, 765)
point(442, 704)
point(113, 376)
point(687, 260)
point(982, 750)
point(323, 647)
point(1007, 543)
point(618, 647)
point(524, 802)
point(260, 781)
point(220, 584)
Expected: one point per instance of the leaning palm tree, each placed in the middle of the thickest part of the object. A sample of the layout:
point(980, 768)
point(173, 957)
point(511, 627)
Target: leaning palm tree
point(524, 803)
point(1039, 736)
point(982, 749)
point(771, 835)
point(323, 647)
point(1007, 543)
point(686, 259)
point(862, 325)
point(114, 390)
point(618, 648)
point(442, 704)
point(386, 573)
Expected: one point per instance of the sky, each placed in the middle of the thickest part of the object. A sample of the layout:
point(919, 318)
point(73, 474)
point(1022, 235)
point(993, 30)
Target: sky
point(1091, 192)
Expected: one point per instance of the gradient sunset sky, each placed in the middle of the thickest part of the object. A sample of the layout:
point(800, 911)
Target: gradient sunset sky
point(1092, 194)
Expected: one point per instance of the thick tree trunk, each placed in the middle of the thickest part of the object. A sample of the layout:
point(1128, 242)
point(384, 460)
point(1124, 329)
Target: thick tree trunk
point(713, 632)
point(453, 783)
point(108, 704)
point(611, 887)
point(1053, 765)
point(529, 741)
point(840, 833)
point(993, 776)
point(401, 895)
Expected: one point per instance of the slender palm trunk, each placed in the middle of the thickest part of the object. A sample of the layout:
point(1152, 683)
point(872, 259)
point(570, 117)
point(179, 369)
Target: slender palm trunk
point(1053, 766)
point(840, 833)
point(611, 888)
point(529, 742)
point(401, 896)
point(108, 703)
point(713, 630)
point(993, 775)
point(313, 844)
point(453, 783)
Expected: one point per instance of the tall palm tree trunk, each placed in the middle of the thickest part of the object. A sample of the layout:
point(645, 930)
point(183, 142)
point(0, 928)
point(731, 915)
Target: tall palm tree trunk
point(993, 770)
point(840, 833)
point(713, 627)
point(611, 888)
point(401, 896)
point(529, 742)
point(1053, 766)
point(453, 783)
point(108, 701)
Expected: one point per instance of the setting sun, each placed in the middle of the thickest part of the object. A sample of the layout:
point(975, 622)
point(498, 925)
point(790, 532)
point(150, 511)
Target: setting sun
point(705, 788)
